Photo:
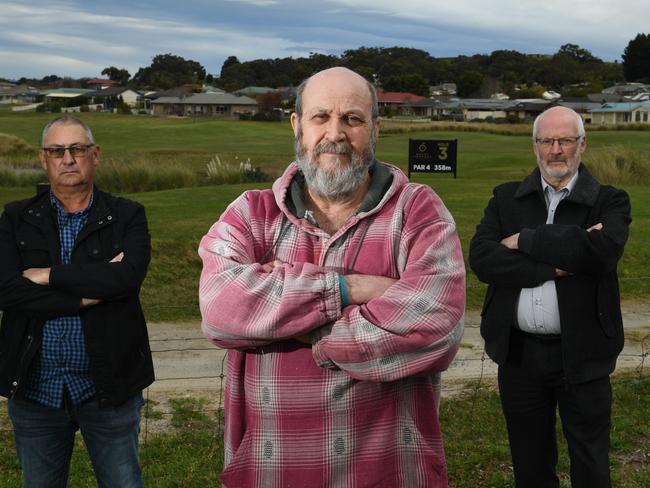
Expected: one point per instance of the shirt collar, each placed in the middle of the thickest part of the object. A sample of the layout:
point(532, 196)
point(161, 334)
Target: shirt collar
point(56, 203)
point(569, 186)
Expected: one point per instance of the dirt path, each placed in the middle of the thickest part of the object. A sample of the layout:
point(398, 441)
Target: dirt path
point(186, 363)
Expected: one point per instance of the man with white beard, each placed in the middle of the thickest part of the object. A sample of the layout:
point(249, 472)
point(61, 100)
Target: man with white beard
point(340, 295)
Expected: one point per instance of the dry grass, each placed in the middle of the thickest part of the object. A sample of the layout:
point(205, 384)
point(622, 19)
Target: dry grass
point(12, 145)
point(619, 165)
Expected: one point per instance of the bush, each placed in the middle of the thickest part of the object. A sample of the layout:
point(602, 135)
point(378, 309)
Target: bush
point(54, 107)
point(219, 172)
point(84, 108)
point(273, 116)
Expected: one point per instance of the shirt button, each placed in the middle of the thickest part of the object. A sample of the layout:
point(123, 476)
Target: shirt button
point(95, 251)
point(15, 383)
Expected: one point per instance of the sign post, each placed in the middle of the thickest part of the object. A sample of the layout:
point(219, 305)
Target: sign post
point(429, 156)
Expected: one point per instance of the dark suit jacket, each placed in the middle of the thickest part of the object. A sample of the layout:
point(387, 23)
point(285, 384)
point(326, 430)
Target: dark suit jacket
point(589, 303)
point(114, 330)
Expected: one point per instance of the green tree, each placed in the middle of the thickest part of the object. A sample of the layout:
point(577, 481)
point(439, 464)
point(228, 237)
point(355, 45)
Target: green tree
point(119, 75)
point(469, 83)
point(411, 83)
point(636, 59)
point(169, 71)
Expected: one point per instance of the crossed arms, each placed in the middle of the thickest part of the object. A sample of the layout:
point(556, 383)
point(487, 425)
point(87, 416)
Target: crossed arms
point(393, 327)
point(63, 289)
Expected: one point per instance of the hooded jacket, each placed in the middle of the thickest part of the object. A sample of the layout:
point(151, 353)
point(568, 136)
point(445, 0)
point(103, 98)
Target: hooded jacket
point(358, 407)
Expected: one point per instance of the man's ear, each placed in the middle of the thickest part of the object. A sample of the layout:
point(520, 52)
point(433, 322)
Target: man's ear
point(295, 122)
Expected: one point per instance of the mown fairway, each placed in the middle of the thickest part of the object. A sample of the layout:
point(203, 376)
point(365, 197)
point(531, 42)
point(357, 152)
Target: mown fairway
point(178, 218)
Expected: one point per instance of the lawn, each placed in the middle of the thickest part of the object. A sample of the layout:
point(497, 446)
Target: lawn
point(178, 218)
point(190, 453)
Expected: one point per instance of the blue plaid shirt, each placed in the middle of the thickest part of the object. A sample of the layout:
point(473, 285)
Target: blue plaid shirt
point(63, 360)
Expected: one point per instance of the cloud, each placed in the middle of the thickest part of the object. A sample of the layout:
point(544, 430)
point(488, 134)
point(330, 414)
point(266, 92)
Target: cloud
point(129, 34)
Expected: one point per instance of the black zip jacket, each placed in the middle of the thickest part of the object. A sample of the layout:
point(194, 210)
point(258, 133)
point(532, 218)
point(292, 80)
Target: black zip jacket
point(588, 299)
point(115, 331)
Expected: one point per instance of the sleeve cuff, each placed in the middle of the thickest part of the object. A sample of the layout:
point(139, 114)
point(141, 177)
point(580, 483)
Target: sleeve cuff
point(525, 242)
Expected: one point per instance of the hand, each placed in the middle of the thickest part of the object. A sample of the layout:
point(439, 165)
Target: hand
point(40, 276)
point(271, 265)
point(363, 288)
point(511, 242)
point(597, 226)
point(118, 258)
point(89, 302)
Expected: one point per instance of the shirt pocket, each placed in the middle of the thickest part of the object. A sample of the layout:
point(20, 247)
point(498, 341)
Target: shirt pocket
point(34, 251)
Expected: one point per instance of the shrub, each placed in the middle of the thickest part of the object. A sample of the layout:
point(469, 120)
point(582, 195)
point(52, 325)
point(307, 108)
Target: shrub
point(219, 172)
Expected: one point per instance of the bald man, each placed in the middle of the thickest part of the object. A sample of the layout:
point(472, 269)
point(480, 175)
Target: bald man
point(340, 296)
point(548, 248)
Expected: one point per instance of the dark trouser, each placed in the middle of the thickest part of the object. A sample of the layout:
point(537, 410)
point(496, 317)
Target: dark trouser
point(532, 384)
point(45, 438)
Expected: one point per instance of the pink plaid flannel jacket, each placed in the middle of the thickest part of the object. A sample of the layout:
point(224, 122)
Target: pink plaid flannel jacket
point(359, 407)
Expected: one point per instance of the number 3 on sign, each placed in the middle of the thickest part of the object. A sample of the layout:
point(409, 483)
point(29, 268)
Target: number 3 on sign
point(442, 152)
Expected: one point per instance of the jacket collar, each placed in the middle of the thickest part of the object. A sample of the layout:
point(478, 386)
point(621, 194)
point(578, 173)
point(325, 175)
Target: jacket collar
point(585, 191)
point(39, 212)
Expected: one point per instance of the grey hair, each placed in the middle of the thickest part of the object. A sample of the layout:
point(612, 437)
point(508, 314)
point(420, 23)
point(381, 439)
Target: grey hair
point(579, 122)
point(374, 104)
point(67, 120)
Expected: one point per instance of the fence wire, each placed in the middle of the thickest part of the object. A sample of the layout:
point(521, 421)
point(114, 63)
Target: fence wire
point(468, 384)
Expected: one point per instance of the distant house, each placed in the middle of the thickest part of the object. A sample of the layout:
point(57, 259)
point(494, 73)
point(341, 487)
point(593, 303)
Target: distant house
point(484, 108)
point(63, 94)
point(400, 103)
point(18, 93)
point(579, 105)
point(100, 83)
point(204, 104)
point(621, 113)
point(528, 108)
point(442, 89)
point(112, 95)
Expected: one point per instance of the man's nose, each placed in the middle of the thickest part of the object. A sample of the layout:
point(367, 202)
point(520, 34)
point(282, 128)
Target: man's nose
point(67, 156)
point(335, 130)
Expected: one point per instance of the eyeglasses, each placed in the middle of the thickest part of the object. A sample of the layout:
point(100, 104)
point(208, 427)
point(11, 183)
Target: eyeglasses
point(562, 141)
point(76, 151)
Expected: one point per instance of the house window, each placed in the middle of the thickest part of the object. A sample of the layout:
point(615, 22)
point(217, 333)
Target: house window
point(220, 109)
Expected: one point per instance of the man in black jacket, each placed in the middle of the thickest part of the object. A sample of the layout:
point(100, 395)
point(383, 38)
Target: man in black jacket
point(74, 350)
point(548, 248)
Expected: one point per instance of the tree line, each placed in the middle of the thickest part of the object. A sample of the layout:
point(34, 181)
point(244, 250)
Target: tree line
point(572, 70)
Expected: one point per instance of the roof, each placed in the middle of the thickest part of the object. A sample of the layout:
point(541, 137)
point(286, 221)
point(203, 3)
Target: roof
point(255, 90)
point(112, 90)
point(398, 97)
point(18, 90)
point(101, 81)
point(578, 105)
point(66, 92)
point(487, 104)
point(621, 107)
point(206, 99)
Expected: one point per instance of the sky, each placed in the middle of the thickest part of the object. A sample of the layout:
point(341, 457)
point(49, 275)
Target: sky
point(79, 38)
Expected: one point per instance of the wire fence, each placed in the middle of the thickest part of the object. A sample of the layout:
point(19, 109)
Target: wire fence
point(182, 360)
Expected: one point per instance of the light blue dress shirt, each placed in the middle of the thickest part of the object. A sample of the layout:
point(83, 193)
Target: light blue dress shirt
point(538, 311)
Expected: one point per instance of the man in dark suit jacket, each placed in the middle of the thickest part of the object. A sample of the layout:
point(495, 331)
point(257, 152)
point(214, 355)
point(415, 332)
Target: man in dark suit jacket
point(74, 352)
point(548, 248)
